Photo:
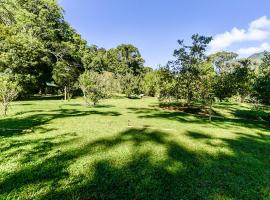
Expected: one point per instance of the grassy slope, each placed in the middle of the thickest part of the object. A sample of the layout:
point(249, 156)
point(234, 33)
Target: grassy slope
point(130, 149)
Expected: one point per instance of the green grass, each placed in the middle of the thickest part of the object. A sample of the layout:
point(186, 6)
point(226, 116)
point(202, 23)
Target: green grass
point(131, 149)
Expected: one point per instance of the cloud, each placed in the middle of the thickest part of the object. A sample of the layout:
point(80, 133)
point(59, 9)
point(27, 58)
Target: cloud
point(258, 30)
point(260, 23)
point(251, 50)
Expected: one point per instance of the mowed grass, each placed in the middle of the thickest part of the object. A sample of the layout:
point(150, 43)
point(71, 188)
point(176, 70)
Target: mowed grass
point(132, 149)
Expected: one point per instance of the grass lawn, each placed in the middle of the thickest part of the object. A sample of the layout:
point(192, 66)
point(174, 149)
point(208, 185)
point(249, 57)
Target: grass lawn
point(131, 149)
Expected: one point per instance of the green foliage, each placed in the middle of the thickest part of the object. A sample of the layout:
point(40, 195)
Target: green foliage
point(65, 76)
point(125, 59)
point(232, 76)
point(166, 84)
point(34, 41)
point(92, 86)
point(112, 84)
point(150, 83)
point(262, 82)
point(131, 85)
point(189, 72)
point(97, 86)
point(38, 46)
point(8, 91)
point(95, 59)
point(243, 78)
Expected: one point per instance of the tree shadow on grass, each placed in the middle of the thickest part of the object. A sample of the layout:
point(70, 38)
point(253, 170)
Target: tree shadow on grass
point(181, 173)
point(183, 117)
point(252, 115)
point(21, 125)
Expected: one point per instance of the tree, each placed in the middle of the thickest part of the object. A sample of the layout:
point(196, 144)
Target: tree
point(111, 83)
point(262, 82)
point(65, 75)
point(97, 86)
point(233, 77)
point(150, 83)
point(124, 59)
point(224, 64)
point(92, 86)
point(34, 39)
point(243, 77)
point(186, 65)
point(95, 59)
point(166, 83)
point(8, 91)
point(205, 81)
point(131, 85)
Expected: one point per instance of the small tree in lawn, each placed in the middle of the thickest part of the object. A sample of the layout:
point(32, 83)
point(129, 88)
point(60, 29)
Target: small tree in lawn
point(186, 65)
point(93, 87)
point(111, 84)
point(150, 83)
point(8, 92)
point(65, 75)
point(131, 85)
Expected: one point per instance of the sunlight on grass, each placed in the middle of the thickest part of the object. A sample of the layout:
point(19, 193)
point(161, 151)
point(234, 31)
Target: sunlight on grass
point(130, 149)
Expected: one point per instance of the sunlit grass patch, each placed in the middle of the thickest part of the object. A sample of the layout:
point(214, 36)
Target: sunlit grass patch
point(131, 149)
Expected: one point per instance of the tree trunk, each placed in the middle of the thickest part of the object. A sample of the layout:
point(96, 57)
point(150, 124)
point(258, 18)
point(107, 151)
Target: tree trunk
point(242, 99)
point(5, 108)
point(210, 111)
point(65, 93)
point(5, 111)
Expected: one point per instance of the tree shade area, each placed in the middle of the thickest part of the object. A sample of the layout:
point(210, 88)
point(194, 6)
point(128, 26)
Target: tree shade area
point(133, 149)
point(80, 121)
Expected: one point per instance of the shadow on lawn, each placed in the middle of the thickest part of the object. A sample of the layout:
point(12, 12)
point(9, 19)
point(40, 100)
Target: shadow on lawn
point(218, 121)
point(19, 125)
point(182, 174)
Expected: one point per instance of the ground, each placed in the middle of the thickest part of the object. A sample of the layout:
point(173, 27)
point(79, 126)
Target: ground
point(132, 149)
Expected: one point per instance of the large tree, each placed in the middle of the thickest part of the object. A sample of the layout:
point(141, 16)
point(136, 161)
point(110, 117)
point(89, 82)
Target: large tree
point(34, 37)
point(95, 59)
point(125, 59)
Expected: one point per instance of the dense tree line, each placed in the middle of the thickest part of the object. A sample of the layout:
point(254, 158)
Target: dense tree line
point(39, 47)
point(195, 77)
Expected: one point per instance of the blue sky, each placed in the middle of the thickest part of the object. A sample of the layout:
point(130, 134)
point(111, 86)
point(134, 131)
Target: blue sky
point(154, 26)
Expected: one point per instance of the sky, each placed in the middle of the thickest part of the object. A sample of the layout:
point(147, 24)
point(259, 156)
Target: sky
point(154, 26)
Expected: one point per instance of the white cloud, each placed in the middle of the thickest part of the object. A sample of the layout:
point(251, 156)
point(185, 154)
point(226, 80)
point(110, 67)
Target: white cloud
point(260, 23)
point(251, 50)
point(258, 30)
